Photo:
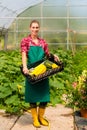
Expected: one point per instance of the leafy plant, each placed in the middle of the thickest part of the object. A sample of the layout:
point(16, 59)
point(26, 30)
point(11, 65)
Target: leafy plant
point(80, 61)
point(78, 95)
point(11, 82)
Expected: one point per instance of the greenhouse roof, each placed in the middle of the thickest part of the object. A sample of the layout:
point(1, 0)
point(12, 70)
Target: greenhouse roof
point(10, 9)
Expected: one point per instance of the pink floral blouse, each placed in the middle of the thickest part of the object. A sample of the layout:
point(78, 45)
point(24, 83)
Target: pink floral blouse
point(27, 42)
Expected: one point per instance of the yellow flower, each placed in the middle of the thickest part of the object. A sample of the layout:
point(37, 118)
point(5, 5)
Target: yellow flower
point(19, 87)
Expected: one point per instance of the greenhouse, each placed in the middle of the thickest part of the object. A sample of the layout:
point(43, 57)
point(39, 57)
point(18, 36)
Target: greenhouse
point(62, 61)
point(63, 22)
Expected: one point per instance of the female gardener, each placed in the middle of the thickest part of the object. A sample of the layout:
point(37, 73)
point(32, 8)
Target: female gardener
point(35, 49)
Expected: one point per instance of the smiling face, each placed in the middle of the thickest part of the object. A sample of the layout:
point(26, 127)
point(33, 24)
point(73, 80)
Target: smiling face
point(34, 28)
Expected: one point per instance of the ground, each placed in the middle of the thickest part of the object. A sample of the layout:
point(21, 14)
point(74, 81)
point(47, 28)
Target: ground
point(59, 117)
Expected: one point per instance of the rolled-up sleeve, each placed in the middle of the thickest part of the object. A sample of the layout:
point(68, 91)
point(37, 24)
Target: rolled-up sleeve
point(46, 49)
point(23, 45)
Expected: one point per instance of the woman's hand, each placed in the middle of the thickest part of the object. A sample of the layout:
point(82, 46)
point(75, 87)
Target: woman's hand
point(25, 70)
point(56, 58)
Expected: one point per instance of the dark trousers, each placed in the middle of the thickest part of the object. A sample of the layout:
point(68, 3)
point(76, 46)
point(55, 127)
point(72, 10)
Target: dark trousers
point(42, 104)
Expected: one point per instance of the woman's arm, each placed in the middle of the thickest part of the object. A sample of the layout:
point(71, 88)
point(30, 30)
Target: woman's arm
point(24, 62)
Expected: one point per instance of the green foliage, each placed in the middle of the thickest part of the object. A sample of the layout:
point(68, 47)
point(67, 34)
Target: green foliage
point(57, 89)
point(11, 82)
point(73, 67)
point(80, 61)
point(58, 81)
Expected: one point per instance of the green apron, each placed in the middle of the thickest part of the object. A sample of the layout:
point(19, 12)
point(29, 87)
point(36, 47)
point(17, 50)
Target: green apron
point(38, 92)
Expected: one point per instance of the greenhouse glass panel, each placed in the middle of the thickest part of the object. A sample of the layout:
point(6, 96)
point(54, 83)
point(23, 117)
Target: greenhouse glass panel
point(11, 40)
point(55, 2)
point(80, 38)
point(23, 24)
point(54, 24)
point(54, 11)
point(78, 24)
point(78, 11)
point(55, 37)
point(34, 11)
point(78, 2)
point(20, 35)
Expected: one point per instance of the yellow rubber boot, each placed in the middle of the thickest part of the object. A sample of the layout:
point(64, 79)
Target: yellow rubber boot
point(35, 117)
point(42, 120)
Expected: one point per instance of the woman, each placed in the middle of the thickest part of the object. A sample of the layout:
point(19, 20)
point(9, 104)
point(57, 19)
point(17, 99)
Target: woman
point(35, 49)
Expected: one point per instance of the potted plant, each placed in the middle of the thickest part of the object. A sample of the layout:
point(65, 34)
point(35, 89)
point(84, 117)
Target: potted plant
point(78, 93)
